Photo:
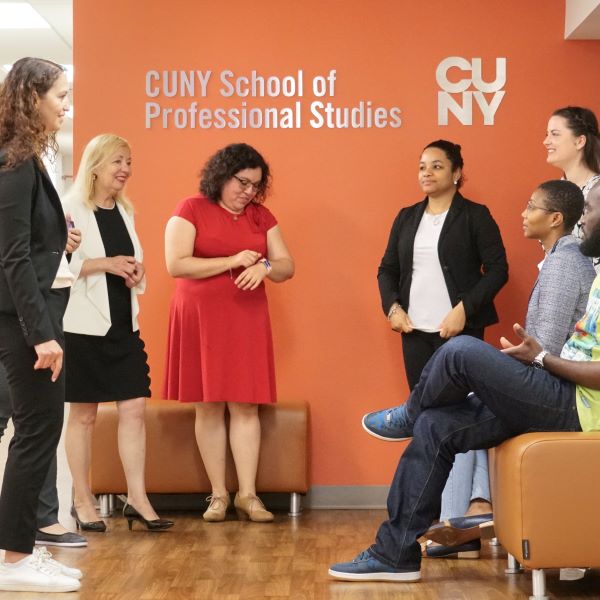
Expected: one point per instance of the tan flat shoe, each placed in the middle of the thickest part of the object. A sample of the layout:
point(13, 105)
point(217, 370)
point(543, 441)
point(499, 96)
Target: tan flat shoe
point(217, 508)
point(251, 507)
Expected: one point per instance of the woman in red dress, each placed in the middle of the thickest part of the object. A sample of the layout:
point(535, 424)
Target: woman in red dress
point(220, 245)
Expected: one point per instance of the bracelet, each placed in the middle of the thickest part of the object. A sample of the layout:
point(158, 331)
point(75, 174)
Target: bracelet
point(392, 310)
point(268, 267)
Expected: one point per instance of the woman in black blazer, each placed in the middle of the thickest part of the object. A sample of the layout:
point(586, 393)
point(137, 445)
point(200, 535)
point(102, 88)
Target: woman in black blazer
point(456, 279)
point(33, 295)
point(443, 265)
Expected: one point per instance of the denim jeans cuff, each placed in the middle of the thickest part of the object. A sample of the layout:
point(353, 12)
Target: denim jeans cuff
point(394, 565)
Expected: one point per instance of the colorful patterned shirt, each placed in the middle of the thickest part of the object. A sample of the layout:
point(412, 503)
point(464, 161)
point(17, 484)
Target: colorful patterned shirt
point(584, 344)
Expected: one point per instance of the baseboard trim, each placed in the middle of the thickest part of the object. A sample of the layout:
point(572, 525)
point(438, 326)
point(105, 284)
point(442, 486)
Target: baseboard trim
point(346, 496)
point(318, 497)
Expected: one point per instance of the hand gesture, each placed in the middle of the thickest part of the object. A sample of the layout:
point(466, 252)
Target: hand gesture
point(244, 259)
point(50, 356)
point(524, 352)
point(454, 322)
point(73, 236)
point(137, 275)
point(400, 322)
point(123, 266)
point(73, 240)
point(251, 278)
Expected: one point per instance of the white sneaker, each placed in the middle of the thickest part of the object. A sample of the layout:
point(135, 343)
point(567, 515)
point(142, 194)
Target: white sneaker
point(35, 574)
point(47, 556)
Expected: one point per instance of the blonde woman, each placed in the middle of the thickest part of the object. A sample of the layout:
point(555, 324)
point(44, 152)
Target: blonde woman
point(107, 361)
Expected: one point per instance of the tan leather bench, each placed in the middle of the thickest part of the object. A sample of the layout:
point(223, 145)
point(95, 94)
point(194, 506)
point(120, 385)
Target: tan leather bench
point(545, 488)
point(173, 463)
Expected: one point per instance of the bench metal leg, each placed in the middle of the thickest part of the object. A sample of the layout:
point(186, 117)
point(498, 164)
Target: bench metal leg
point(107, 505)
point(295, 505)
point(513, 566)
point(538, 579)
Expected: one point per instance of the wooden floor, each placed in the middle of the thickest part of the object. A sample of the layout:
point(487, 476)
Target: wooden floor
point(286, 559)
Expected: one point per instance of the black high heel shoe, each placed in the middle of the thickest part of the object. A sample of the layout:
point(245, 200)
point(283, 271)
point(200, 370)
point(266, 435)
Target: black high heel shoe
point(153, 525)
point(98, 526)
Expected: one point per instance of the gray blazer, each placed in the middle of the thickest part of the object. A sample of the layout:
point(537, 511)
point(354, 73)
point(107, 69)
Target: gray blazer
point(560, 294)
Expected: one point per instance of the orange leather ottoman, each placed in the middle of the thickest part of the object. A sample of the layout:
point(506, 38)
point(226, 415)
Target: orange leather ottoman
point(544, 490)
point(173, 463)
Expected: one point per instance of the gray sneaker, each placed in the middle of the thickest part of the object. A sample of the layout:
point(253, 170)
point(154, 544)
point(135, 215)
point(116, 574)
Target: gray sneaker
point(390, 424)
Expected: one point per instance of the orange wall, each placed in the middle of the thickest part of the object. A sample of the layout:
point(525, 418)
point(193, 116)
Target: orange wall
point(336, 191)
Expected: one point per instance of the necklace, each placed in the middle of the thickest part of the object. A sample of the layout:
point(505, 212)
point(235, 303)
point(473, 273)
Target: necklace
point(437, 218)
point(106, 207)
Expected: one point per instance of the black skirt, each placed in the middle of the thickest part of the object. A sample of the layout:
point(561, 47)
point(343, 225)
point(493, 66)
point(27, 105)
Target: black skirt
point(106, 368)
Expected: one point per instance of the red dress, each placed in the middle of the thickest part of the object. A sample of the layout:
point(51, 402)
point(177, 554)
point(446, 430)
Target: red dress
point(219, 341)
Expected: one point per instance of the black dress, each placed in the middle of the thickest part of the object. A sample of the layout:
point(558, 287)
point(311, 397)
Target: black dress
point(114, 366)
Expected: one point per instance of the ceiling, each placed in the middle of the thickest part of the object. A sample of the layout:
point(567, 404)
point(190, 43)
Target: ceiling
point(54, 44)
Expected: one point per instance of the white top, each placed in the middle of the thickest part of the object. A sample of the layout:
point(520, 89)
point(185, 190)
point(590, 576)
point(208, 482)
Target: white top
point(429, 300)
point(64, 278)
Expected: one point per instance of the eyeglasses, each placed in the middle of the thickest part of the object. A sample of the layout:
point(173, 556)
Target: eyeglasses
point(531, 206)
point(245, 183)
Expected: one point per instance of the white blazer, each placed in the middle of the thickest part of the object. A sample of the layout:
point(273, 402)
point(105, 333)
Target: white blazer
point(88, 311)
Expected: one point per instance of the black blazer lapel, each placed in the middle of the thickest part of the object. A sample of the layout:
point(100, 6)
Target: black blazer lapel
point(456, 207)
point(53, 197)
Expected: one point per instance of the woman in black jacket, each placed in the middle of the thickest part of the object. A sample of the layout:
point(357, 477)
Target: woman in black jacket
point(34, 290)
point(443, 265)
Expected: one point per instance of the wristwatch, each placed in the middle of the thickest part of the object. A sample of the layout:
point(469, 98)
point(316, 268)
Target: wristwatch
point(538, 361)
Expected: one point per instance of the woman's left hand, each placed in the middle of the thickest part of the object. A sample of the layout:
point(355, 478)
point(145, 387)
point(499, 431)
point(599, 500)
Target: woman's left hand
point(136, 276)
point(251, 278)
point(454, 322)
point(73, 240)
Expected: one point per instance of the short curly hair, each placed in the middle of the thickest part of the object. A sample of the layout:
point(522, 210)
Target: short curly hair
point(564, 197)
point(228, 161)
point(22, 132)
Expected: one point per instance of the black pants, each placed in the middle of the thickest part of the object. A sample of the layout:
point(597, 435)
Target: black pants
point(419, 346)
point(38, 408)
point(47, 512)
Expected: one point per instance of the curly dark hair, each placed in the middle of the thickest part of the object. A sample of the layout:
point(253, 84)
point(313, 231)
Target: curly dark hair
point(582, 121)
point(452, 152)
point(564, 197)
point(22, 132)
point(228, 161)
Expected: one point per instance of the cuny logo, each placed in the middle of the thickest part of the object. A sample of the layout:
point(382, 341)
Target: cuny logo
point(461, 106)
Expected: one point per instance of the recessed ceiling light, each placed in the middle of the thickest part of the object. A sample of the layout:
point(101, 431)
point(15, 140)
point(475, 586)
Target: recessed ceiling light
point(20, 15)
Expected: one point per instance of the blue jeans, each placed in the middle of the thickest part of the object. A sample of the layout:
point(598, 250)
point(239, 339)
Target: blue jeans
point(468, 480)
point(507, 399)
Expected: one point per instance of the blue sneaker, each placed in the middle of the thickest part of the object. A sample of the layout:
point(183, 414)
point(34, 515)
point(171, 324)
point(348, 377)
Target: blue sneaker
point(365, 567)
point(391, 424)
